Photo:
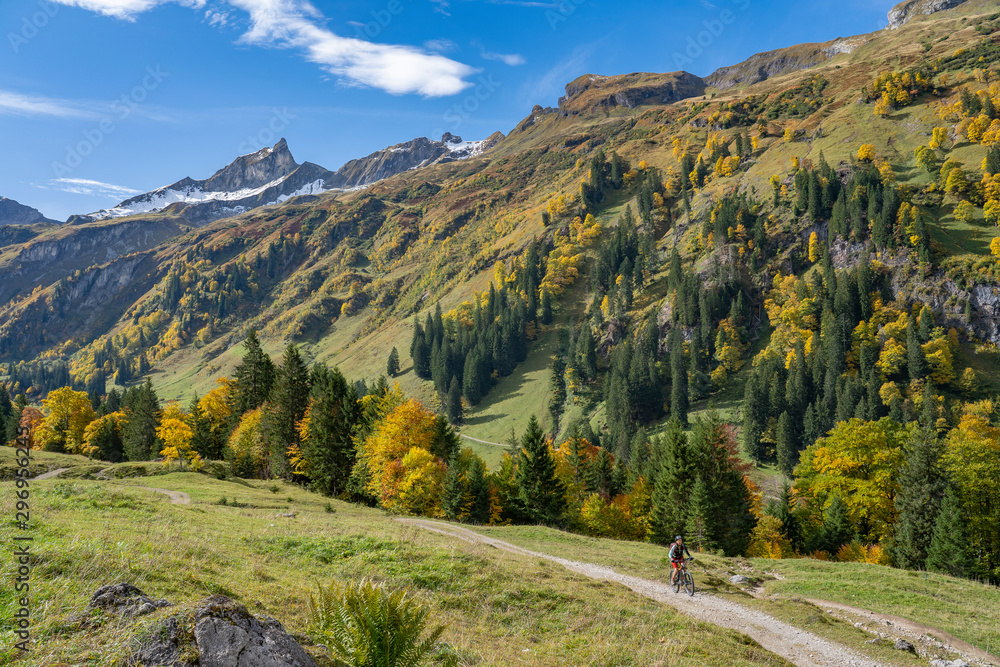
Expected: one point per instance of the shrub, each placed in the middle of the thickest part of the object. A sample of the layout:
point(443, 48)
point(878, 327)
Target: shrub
point(366, 626)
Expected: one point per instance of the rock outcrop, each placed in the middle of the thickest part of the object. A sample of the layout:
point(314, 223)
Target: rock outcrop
point(905, 11)
point(591, 92)
point(763, 66)
point(125, 600)
point(221, 633)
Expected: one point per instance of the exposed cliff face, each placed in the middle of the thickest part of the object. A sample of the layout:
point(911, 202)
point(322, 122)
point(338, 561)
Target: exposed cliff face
point(14, 213)
point(905, 11)
point(46, 259)
point(763, 66)
point(590, 91)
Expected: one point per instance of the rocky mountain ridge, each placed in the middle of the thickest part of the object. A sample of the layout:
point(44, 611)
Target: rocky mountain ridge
point(15, 213)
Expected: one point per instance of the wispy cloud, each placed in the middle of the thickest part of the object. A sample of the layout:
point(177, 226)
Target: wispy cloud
point(297, 24)
point(512, 59)
point(83, 186)
point(18, 104)
point(440, 45)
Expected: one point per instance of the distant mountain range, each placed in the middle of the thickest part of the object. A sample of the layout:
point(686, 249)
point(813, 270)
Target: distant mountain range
point(14, 213)
point(272, 176)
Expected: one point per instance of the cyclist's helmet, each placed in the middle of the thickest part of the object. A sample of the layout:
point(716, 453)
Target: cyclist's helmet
point(678, 538)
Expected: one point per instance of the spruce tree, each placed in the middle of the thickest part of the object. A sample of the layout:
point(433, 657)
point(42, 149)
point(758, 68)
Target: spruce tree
point(392, 365)
point(557, 391)
point(671, 484)
point(333, 415)
point(783, 509)
point(787, 450)
point(546, 306)
point(539, 491)
point(471, 381)
point(837, 529)
point(699, 527)
point(446, 443)
point(254, 377)
point(948, 552)
point(454, 403)
point(479, 490)
point(922, 485)
point(143, 416)
point(915, 361)
point(678, 375)
point(453, 494)
point(289, 400)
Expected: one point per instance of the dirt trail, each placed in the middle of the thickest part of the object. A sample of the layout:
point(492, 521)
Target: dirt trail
point(49, 475)
point(916, 630)
point(800, 647)
point(176, 497)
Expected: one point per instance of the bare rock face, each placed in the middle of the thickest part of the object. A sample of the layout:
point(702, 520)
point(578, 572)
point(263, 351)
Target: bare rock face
point(221, 633)
point(904, 11)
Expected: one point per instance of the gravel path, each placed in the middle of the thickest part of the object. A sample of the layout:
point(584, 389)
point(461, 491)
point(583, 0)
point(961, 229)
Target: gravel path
point(50, 474)
point(799, 647)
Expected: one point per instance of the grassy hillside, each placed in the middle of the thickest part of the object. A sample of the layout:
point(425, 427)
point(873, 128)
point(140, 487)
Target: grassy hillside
point(499, 608)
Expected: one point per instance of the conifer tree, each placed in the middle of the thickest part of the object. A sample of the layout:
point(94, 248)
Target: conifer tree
point(557, 391)
point(539, 491)
point(139, 434)
point(915, 362)
point(922, 485)
point(837, 529)
point(392, 365)
point(700, 527)
point(948, 552)
point(254, 377)
point(782, 509)
point(479, 490)
point(678, 375)
point(454, 404)
point(671, 484)
point(454, 491)
point(327, 442)
point(546, 306)
point(287, 407)
point(787, 450)
point(446, 443)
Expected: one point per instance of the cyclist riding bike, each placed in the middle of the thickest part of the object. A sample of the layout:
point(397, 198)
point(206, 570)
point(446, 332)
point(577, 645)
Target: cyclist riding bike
point(676, 554)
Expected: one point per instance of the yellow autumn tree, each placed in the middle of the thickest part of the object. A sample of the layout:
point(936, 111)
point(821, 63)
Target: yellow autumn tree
point(104, 429)
point(66, 414)
point(866, 153)
point(995, 247)
point(858, 461)
point(813, 247)
point(176, 434)
point(768, 539)
point(248, 446)
point(395, 470)
point(939, 136)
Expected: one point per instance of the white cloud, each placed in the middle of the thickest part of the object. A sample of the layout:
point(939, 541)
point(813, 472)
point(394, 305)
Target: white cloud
point(125, 9)
point(33, 105)
point(83, 186)
point(440, 45)
point(297, 24)
point(216, 18)
point(512, 59)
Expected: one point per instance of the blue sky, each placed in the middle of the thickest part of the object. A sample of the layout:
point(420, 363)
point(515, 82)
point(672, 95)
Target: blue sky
point(100, 99)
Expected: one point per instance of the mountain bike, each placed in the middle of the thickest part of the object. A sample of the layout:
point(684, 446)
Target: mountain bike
point(683, 578)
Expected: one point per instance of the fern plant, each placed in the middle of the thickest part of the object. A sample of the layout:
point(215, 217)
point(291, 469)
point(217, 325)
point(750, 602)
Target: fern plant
point(366, 626)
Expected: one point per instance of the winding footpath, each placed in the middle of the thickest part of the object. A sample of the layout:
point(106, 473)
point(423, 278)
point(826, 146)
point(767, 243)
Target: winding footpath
point(176, 497)
point(799, 647)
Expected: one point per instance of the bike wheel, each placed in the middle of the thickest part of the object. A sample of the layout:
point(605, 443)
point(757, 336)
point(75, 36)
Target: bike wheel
point(689, 583)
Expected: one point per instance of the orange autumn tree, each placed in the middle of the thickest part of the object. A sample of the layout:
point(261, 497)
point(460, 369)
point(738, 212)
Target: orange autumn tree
point(404, 474)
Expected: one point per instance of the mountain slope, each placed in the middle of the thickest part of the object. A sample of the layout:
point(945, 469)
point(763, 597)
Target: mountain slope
point(14, 213)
